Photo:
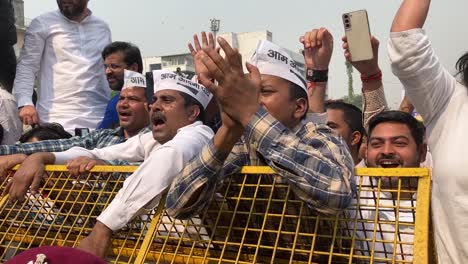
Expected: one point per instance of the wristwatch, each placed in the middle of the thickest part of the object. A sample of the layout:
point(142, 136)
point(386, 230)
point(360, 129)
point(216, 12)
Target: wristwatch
point(317, 75)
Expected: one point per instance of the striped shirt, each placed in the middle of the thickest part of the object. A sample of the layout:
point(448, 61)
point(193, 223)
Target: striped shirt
point(95, 139)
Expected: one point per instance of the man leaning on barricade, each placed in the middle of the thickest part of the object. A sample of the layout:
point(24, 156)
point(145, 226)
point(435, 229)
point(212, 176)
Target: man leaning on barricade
point(178, 134)
point(132, 109)
point(264, 122)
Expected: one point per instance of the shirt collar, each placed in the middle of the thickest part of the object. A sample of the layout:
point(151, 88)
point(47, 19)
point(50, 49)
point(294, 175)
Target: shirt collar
point(194, 124)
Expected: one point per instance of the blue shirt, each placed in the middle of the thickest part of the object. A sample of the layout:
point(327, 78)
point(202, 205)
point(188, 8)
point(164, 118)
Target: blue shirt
point(111, 118)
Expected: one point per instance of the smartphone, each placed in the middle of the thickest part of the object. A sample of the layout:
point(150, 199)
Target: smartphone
point(357, 31)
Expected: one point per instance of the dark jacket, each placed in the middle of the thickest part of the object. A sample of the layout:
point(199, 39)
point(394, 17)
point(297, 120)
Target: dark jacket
point(7, 23)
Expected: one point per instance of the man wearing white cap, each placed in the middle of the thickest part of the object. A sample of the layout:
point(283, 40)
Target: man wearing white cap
point(132, 109)
point(263, 123)
point(178, 134)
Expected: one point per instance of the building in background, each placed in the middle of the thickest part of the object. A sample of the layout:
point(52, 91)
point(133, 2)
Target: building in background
point(245, 42)
point(182, 63)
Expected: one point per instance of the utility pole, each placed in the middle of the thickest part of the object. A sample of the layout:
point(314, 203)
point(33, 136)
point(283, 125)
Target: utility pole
point(215, 27)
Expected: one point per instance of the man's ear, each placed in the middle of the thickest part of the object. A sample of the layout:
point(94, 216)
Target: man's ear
point(422, 152)
point(356, 137)
point(193, 112)
point(133, 67)
point(301, 108)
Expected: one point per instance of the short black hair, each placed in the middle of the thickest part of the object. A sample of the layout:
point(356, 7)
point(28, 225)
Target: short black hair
point(416, 128)
point(45, 132)
point(131, 53)
point(189, 100)
point(462, 68)
point(352, 115)
point(297, 92)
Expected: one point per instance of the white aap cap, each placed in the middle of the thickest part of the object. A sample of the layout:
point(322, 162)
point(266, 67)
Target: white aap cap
point(164, 80)
point(274, 60)
point(133, 79)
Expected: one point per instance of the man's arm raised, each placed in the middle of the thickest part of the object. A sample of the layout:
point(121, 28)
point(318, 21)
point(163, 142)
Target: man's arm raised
point(412, 14)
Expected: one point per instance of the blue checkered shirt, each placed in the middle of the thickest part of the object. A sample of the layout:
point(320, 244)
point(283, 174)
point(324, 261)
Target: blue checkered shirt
point(313, 160)
point(96, 139)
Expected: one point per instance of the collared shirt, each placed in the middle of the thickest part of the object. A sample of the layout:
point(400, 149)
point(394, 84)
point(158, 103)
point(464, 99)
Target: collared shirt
point(111, 117)
point(12, 126)
point(66, 57)
point(384, 231)
point(95, 139)
point(143, 189)
point(312, 160)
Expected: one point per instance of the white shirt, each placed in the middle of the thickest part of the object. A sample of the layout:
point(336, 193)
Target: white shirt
point(143, 189)
point(9, 119)
point(443, 105)
point(384, 233)
point(66, 57)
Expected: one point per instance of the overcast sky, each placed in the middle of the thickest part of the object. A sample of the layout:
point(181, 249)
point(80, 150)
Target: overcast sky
point(165, 27)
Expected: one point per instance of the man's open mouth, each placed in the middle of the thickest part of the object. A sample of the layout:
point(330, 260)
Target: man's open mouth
point(385, 163)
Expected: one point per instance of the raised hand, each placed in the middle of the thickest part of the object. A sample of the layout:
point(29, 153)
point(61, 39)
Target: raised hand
point(368, 67)
point(236, 92)
point(207, 43)
point(318, 48)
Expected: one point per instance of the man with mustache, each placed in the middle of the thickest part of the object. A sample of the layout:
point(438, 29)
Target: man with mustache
point(396, 140)
point(62, 49)
point(178, 134)
point(132, 109)
point(118, 56)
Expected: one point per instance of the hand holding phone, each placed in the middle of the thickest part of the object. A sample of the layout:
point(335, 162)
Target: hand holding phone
point(357, 31)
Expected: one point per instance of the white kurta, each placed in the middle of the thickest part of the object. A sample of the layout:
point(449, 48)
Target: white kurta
point(443, 104)
point(143, 189)
point(66, 58)
point(384, 232)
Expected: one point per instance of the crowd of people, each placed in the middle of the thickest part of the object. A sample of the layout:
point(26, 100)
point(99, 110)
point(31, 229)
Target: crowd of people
point(194, 133)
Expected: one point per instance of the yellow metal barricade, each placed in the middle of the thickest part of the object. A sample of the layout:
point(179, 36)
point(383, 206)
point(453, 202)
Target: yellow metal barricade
point(254, 218)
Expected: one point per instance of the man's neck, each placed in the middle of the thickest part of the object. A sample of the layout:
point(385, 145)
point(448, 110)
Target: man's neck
point(355, 156)
point(80, 17)
point(128, 134)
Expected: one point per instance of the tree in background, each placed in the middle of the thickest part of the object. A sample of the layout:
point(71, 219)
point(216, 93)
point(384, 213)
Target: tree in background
point(351, 98)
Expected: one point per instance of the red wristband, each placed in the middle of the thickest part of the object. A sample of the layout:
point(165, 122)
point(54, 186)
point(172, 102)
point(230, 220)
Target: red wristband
point(376, 76)
point(311, 85)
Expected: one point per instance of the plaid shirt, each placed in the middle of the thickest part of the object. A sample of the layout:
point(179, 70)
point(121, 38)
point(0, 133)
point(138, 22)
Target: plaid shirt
point(96, 139)
point(312, 160)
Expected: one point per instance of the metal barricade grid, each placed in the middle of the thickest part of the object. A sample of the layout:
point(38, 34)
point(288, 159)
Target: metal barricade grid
point(254, 218)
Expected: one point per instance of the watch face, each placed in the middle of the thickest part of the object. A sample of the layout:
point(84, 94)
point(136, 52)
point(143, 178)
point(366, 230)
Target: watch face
point(309, 74)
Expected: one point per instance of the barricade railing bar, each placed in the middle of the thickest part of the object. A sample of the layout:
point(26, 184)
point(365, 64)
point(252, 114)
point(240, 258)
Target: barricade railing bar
point(255, 217)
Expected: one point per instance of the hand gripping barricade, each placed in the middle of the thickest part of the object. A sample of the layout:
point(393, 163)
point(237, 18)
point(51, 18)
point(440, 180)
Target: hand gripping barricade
point(254, 218)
